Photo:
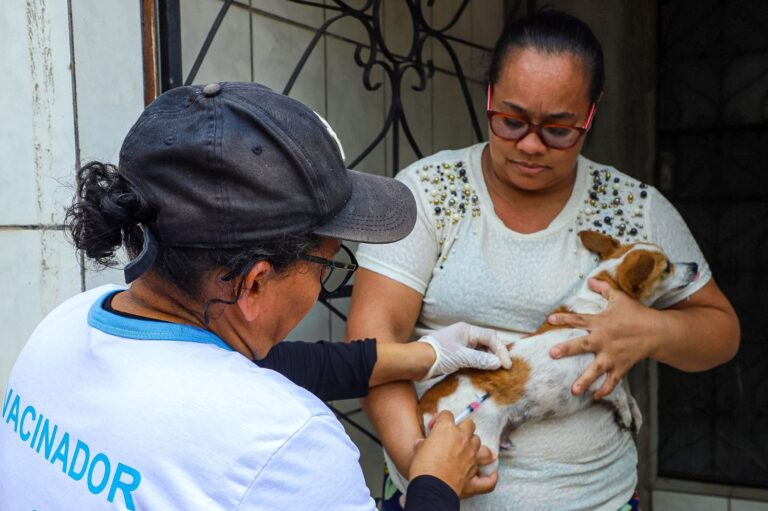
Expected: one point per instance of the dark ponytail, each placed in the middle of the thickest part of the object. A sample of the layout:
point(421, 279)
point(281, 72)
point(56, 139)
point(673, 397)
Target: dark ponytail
point(105, 214)
point(552, 32)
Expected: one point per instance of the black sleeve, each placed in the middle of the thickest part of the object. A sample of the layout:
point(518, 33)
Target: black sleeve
point(428, 493)
point(329, 370)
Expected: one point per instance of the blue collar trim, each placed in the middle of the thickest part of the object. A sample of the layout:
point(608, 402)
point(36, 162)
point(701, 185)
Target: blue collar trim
point(147, 330)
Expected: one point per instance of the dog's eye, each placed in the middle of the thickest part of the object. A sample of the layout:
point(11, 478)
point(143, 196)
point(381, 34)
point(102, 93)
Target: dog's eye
point(668, 268)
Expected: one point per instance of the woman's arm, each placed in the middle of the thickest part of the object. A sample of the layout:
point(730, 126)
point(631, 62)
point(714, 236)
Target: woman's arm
point(333, 370)
point(388, 310)
point(329, 370)
point(345, 371)
point(696, 334)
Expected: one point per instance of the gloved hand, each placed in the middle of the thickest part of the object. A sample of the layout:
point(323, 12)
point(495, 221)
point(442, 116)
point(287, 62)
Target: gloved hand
point(454, 345)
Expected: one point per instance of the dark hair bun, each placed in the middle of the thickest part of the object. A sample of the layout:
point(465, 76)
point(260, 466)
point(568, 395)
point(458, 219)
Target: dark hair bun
point(106, 213)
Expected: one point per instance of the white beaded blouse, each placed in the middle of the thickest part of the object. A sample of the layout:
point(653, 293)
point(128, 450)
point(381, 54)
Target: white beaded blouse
point(470, 267)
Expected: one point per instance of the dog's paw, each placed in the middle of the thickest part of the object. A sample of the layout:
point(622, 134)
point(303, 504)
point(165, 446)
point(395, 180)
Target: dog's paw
point(637, 416)
point(623, 414)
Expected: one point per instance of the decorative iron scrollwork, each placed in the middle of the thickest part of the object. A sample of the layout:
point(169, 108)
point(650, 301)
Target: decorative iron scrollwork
point(376, 53)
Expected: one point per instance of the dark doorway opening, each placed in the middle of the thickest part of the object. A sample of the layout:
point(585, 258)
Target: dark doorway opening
point(713, 165)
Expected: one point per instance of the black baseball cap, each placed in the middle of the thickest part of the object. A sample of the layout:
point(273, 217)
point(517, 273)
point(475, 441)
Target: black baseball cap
point(233, 164)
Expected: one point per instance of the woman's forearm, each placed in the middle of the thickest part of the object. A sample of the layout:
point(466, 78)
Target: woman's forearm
point(697, 334)
point(396, 362)
point(391, 409)
point(696, 338)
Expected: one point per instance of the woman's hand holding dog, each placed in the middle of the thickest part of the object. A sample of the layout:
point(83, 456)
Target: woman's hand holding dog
point(620, 337)
point(693, 335)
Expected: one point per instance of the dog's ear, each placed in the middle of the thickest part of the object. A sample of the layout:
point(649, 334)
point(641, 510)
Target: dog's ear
point(598, 242)
point(633, 275)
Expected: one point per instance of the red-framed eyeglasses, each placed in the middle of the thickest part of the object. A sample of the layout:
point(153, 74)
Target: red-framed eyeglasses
point(515, 127)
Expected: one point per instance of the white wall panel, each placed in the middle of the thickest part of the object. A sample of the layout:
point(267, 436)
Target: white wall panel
point(36, 135)
point(108, 66)
point(356, 114)
point(307, 15)
point(228, 58)
point(442, 14)
point(417, 105)
point(451, 125)
point(277, 48)
point(479, 93)
point(487, 21)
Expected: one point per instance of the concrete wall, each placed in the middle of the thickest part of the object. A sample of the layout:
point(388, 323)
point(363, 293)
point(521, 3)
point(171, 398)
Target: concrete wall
point(72, 86)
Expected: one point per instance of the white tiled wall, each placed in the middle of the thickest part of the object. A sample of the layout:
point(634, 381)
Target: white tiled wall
point(277, 48)
point(228, 58)
point(110, 92)
point(37, 145)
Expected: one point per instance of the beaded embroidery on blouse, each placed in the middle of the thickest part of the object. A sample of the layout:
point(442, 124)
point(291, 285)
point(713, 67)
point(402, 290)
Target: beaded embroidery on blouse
point(451, 195)
point(614, 206)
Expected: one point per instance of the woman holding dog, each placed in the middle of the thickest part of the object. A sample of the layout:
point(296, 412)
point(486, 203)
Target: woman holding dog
point(496, 244)
point(231, 199)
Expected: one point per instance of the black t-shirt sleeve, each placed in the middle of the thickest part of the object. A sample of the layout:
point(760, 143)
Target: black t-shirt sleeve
point(329, 370)
point(428, 493)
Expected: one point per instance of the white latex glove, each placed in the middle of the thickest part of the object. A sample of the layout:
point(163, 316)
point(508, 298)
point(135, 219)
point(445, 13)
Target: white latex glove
point(454, 345)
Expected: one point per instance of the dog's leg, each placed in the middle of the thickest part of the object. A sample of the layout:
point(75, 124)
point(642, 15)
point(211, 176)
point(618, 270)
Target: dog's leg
point(637, 416)
point(627, 412)
point(489, 421)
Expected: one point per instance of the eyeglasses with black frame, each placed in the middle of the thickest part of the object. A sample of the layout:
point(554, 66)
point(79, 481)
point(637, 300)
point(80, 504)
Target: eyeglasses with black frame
point(336, 273)
point(514, 127)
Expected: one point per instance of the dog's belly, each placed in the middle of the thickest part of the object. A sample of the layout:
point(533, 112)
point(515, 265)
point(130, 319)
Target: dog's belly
point(548, 389)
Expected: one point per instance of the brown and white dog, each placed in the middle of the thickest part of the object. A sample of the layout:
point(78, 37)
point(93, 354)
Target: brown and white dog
point(537, 386)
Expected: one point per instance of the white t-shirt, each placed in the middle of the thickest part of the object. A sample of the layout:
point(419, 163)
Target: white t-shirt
point(104, 411)
point(470, 267)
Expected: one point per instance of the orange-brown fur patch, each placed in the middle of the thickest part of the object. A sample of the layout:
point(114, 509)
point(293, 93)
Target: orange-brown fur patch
point(639, 272)
point(598, 242)
point(445, 387)
point(505, 386)
point(546, 327)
